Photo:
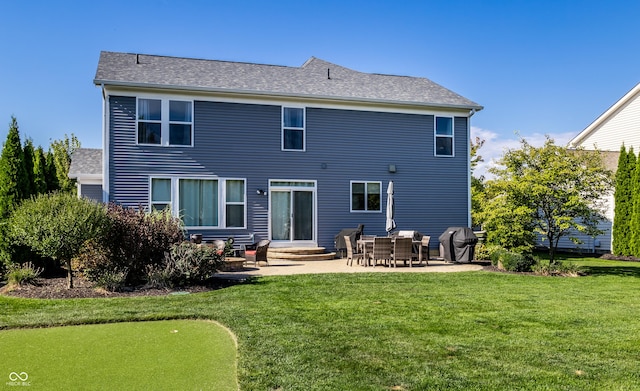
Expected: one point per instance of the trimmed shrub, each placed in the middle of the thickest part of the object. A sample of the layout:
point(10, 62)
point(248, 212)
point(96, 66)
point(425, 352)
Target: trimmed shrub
point(516, 262)
point(186, 264)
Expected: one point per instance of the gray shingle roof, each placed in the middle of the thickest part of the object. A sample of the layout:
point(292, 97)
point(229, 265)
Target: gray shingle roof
point(315, 78)
point(86, 161)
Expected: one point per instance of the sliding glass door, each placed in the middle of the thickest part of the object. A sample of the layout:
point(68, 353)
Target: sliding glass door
point(292, 212)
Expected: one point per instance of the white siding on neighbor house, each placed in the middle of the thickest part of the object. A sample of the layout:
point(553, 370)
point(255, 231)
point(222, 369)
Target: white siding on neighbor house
point(622, 126)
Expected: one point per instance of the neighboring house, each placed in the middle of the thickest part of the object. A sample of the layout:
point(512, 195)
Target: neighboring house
point(620, 124)
point(86, 169)
point(291, 154)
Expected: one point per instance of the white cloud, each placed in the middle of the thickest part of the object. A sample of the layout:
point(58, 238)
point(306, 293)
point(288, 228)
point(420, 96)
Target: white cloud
point(496, 145)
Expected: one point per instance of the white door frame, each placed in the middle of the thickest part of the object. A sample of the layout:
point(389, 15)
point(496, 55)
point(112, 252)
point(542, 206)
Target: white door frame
point(291, 185)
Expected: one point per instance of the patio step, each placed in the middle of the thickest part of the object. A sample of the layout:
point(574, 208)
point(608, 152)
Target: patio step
point(300, 253)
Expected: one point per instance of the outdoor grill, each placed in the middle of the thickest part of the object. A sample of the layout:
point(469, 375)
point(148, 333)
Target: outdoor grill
point(458, 244)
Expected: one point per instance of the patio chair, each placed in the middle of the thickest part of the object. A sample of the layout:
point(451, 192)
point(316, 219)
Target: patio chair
point(257, 252)
point(424, 250)
point(402, 251)
point(351, 254)
point(381, 250)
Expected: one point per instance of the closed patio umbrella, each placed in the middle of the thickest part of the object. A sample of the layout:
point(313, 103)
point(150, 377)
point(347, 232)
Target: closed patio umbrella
point(391, 224)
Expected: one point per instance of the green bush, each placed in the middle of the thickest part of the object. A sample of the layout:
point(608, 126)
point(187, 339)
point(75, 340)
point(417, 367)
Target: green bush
point(485, 251)
point(23, 274)
point(186, 264)
point(495, 253)
point(516, 262)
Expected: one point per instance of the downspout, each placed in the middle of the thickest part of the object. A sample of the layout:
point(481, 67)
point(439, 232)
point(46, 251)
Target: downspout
point(471, 113)
point(105, 145)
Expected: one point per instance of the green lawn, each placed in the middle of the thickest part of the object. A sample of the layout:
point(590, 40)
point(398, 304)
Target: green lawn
point(164, 355)
point(404, 331)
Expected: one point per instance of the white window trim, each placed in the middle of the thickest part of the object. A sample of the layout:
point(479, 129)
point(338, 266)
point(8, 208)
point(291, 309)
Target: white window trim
point(452, 136)
point(303, 128)
point(222, 196)
point(366, 198)
point(164, 120)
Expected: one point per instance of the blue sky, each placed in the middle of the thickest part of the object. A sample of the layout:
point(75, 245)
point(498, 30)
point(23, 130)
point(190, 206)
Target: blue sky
point(538, 67)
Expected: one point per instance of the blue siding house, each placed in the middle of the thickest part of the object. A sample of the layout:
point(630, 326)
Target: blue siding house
point(291, 154)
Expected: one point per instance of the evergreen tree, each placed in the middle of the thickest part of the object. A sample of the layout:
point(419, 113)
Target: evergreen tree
point(51, 176)
point(29, 154)
point(634, 243)
point(39, 170)
point(621, 226)
point(13, 175)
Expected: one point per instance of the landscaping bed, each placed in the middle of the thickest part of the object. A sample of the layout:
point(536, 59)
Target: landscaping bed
point(56, 288)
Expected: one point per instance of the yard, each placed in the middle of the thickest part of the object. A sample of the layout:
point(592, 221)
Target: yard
point(414, 331)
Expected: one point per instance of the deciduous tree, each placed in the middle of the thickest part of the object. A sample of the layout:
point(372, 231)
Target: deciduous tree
point(549, 190)
point(57, 225)
point(62, 151)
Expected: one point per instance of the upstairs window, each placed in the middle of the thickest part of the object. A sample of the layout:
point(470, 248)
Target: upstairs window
point(293, 133)
point(180, 122)
point(165, 122)
point(366, 196)
point(149, 121)
point(444, 136)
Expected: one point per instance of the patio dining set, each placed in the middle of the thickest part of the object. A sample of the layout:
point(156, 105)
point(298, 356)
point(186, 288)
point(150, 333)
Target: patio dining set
point(408, 247)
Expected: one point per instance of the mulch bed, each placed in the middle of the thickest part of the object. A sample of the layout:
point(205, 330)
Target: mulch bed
point(56, 288)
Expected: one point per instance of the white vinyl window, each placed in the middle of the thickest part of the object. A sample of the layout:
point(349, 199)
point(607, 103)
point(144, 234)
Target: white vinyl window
point(444, 137)
point(366, 196)
point(293, 129)
point(160, 193)
point(202, 202)
point(165, 122)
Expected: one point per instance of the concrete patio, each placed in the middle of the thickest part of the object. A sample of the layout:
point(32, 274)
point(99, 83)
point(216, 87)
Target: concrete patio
point(286, 267)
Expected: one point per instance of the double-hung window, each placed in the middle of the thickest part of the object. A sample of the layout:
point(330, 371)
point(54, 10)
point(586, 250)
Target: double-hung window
point(293, 130)
point(444, 136)
point(165, 122)
point(160, 193)
point(366, 196)
point(201, 202)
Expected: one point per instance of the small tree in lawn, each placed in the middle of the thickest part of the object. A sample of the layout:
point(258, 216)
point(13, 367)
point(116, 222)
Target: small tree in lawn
point(559, 191)
point(57, 225)
point(622, 232)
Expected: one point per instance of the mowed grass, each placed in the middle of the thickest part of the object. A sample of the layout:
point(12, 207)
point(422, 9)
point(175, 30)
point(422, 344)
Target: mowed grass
point(402, 331)
point(164, 355)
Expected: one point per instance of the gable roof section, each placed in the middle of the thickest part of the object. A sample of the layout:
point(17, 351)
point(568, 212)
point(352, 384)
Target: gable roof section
point(314, 79)
point(86, 162)
point(605, 117)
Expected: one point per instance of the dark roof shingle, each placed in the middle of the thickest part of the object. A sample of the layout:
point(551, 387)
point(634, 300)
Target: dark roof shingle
point(86, 161)
point(315, 78)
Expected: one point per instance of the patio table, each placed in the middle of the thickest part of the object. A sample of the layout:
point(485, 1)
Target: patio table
point(365, 246)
